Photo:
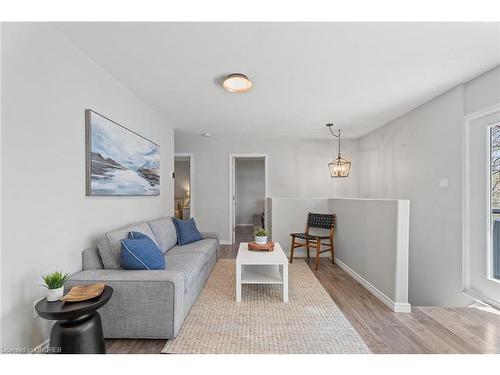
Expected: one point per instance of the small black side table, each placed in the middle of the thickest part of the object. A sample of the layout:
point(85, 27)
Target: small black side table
point(78, 328)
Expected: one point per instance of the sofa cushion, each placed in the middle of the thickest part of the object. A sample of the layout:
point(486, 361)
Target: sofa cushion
point(165, 233)
point(207, 247)
point(188, 264)
point(91, 260)
point(192, 267)
point(186, 231)
point(139, 252)
point(105, 252)
point(110, 245)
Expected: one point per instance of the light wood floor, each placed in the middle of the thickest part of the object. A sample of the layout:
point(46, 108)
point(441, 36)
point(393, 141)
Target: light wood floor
point(425, 330)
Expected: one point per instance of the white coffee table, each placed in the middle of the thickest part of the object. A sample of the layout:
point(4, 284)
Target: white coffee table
point(261, 267)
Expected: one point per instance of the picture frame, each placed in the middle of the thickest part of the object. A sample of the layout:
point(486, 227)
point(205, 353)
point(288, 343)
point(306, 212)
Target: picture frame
point(119, 161)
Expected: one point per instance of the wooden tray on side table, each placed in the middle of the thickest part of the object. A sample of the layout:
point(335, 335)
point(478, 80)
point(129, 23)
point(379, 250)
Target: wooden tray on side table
point(83, 292)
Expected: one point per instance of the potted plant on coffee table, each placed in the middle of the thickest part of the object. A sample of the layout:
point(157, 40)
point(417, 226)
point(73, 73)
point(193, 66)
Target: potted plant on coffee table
point(261, 236)
point(54, 282)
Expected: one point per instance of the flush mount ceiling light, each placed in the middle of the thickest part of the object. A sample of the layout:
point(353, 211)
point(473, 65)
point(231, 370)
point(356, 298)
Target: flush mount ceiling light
point(237, 82)
point(340, 167)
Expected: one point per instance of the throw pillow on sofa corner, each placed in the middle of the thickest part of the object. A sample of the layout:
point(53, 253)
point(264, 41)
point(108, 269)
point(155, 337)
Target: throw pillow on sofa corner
point(136, 235)
point(139, 252)
point(186, 231)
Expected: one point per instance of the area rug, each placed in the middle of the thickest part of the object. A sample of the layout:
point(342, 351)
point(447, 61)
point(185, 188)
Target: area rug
point(262, 324)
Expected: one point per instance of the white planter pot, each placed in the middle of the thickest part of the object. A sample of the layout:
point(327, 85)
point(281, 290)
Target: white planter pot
point(55, 294)
point(261, 240)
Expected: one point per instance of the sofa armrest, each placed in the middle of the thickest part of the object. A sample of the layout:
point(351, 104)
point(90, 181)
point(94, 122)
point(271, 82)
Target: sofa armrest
point(155, 297)
point(104, 275)
point(212, 235)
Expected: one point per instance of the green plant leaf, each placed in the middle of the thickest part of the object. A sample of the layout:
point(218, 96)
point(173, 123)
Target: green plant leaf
point(55, 280)
point(261, 232)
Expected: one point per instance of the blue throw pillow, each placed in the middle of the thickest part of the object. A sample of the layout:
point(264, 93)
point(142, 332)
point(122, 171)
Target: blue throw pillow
point(139, 252)
point(186, 231)
point(136, 235)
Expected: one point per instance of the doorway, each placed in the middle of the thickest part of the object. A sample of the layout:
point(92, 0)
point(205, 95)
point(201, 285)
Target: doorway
point(248, 192)
point(183, 186)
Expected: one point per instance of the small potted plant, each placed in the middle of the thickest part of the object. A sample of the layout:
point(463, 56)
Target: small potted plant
point(54, 282)
point(261, 236)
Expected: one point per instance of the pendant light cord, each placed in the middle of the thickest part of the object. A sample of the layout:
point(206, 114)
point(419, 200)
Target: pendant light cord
point(339, 144)
point(335, 135)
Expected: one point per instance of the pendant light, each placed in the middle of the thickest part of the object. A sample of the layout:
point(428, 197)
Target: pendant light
point(340, 167)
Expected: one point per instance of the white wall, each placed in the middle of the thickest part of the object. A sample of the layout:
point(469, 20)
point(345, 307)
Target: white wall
point(181, 180)
point(482, 105)
point(371, 239)
point(47, 83)
point(1, 182)
point(250, 189)
point(482, 92)
point(406, 159)
point(477, 224)
point(297, 168)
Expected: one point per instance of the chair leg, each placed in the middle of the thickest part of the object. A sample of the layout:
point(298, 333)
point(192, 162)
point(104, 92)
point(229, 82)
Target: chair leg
point(332, 250)
point(292, 249)
point(307, 247)
point(318, 249)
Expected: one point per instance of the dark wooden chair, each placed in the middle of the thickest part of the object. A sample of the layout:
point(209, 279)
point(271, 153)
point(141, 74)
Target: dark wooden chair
point(323, 221)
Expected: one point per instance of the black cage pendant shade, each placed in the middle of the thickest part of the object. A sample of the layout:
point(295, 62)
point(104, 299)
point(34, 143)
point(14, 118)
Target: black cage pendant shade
point(339, 167)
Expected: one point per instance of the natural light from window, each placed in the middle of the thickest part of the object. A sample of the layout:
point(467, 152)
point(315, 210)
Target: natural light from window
point(495, 200)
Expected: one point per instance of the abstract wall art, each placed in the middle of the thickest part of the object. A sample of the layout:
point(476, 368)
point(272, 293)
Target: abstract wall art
point(119, 161)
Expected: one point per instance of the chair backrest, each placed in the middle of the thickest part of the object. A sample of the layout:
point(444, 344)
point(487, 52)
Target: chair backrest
point(325, 221)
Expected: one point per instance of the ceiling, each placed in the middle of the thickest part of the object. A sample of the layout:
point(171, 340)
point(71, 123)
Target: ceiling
point(356, 75)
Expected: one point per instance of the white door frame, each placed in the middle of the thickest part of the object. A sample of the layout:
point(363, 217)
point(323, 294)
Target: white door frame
point(231, 174)
point(191, 180)
point(469, 286)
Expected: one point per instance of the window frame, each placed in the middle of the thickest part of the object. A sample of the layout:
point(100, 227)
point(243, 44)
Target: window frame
point(489, 236)
point(476, 262)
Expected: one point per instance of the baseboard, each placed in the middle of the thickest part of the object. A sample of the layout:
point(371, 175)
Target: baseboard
point(225, 242)
point(480, 297)
point(401, 307)
point(394, 306)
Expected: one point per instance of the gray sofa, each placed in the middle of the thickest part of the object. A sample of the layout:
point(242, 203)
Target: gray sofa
point(148, 304)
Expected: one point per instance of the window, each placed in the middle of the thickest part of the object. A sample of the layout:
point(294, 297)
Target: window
point(495, 201)
point(481, 220)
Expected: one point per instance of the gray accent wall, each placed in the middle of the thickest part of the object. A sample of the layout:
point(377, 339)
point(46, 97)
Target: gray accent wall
point(371, 240)
point(47, 220)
